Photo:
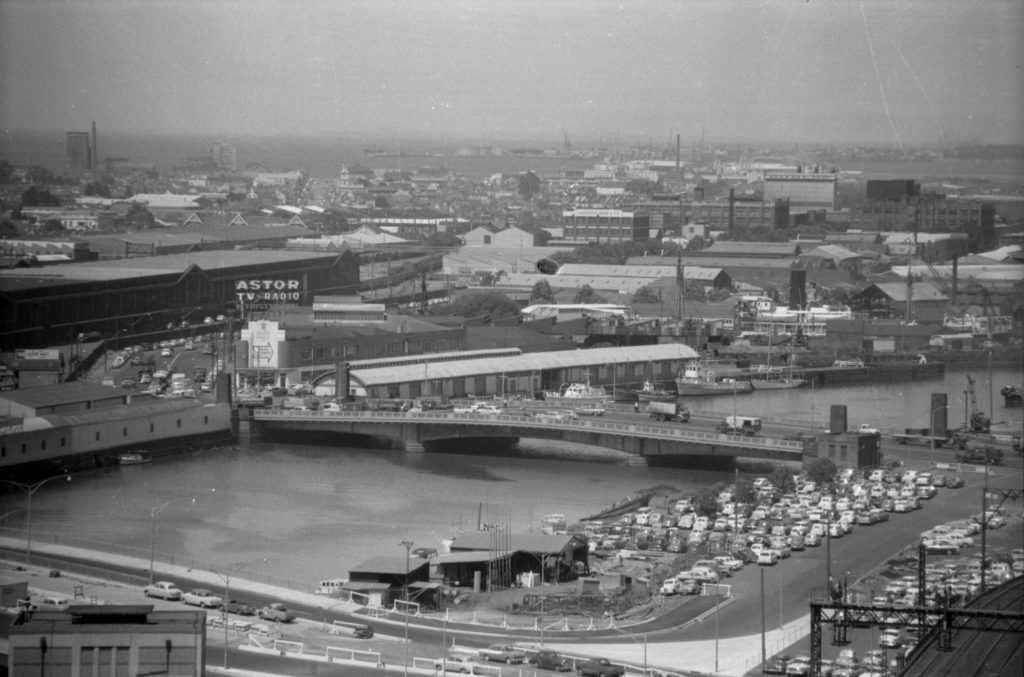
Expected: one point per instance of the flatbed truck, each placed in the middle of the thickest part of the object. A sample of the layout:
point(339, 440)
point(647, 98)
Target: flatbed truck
point(922, 436)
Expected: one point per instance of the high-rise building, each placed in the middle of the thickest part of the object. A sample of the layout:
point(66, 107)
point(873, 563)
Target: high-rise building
point(79, 152)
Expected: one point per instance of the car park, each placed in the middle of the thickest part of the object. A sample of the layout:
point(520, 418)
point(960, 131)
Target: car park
point(163, 590)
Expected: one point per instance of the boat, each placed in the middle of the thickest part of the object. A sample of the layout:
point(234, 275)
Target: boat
point(704, 377)
point(1012, 395)
point(133, 458)
point(653, 392)
point(622, 506)
point(774, 378)
point(767, 377)
point(579, 393)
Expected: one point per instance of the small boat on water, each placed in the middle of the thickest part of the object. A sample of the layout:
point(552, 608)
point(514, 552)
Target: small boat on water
point(774, 378)
point(702, 377)
point(653, 392)
point(133, 458)
point(579, 393)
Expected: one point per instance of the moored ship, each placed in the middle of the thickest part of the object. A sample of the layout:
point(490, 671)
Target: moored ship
point(774, 378)
point(710, 378)
point(654, 392)
point(579, 393)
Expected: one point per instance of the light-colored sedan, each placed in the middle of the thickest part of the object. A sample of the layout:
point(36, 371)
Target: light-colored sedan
point(163, 590)
point(203, 598)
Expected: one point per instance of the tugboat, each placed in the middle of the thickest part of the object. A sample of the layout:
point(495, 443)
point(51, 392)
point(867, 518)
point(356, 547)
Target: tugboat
point(579, 393)
point(701, 378)
point(1012, 395)
point(653, 392)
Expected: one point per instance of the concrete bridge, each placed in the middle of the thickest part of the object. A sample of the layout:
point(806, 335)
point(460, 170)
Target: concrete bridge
point(423, 431)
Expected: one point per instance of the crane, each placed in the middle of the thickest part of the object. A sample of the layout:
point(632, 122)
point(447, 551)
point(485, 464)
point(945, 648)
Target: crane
point(978, 422)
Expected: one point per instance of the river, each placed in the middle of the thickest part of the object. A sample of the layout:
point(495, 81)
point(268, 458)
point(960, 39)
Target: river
point(314, 511)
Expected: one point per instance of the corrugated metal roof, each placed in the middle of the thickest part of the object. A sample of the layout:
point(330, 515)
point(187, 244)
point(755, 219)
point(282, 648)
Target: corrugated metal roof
point(394, 566)
point(922, 291)
point(526, 363)
point(152, 407)
point(485, 540)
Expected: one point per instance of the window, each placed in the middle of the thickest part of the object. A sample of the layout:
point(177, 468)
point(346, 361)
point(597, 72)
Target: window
point(97, 435)
point(179, 423)
point(151, 427)
point(23, 449)
point(63, 442)
point(42, 445)
point(206, 420)
point(124, 432)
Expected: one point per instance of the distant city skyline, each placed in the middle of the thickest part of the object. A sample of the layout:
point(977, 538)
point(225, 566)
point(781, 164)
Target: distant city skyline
point(896, 73)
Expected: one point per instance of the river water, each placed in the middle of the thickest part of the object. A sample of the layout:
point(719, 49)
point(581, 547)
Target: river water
point(315, 511)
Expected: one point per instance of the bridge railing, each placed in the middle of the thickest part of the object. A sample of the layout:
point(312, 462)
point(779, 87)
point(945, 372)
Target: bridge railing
point(526, 421)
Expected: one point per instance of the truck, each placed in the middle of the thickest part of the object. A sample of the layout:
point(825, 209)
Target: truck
point(198, 374)
point(986, 455)
point(599, 667)
point(924, 436)
point(297, 403)
point(740, 425)
point(668, 411)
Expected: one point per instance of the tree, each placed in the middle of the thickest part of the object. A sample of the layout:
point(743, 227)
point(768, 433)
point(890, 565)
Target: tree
point(96, 188)
point(782, 479)
point(707, 503)
point(6, 171)
point(588, 295)
point(38, 197)
point(745, 492)
point(646, 294)
point(541, 292)
point(8, 229)
point(822, 471)
point(52, 227)
point(475, 304)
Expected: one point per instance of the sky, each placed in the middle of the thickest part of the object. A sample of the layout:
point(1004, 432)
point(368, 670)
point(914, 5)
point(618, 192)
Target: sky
point(899, 73)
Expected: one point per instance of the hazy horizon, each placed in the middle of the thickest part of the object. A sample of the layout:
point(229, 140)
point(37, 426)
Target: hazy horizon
point(901, 73)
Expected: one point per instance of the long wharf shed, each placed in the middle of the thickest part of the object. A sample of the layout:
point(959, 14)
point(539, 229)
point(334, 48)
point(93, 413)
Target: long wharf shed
point(623, 366)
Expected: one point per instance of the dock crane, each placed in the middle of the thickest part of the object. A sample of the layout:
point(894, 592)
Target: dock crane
point(978, 422)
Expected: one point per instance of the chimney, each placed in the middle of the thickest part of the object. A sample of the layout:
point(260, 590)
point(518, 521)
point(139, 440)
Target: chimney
point(732, 208)
point(94, 157)
point(677, 153)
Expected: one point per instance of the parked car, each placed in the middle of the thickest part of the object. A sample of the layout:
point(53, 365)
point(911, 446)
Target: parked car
point(201, 597)
point(456, 663)
point(275, 611)
point(551, 660)
point(163, 590)
point(599, 667)
point(503, 653)
point(237, 606)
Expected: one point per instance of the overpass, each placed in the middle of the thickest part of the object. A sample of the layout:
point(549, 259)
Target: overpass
point(423, 431)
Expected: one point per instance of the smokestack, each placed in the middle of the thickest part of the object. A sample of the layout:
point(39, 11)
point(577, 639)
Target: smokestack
point(955, 259)
point(732, 208)
point(93, 154)
point(677, 152)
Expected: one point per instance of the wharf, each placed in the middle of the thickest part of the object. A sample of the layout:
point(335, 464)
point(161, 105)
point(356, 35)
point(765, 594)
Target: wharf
point(874, 372)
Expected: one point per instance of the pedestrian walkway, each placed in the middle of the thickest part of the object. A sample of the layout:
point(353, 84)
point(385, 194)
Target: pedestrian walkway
point(733, 656)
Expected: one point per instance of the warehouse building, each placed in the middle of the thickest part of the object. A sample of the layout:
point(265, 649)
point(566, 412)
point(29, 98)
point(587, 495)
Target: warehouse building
point(54, 304)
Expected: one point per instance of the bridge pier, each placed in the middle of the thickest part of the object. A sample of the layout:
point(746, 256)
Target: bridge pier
point(637, 461)
point(414, 447)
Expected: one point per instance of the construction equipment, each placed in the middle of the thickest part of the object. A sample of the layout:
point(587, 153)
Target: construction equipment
point(977, 422)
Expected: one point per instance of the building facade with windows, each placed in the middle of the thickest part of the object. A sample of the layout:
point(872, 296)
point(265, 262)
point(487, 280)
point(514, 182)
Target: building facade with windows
point(605, 225)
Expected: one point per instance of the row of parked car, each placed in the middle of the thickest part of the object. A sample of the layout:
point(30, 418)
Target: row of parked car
point(207, 599)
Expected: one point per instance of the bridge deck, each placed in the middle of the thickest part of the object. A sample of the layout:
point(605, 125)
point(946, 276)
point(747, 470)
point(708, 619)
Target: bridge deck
point(762, 446)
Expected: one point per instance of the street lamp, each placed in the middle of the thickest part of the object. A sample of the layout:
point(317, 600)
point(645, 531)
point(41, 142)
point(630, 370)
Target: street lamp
point(227, 595)
point(153, 512)
point(634, 638)
point(30, 489)
point(405, 594)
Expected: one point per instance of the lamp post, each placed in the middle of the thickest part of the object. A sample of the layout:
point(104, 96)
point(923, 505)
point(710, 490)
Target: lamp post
point(633, 637)
point(153, 512)
point(405, 594)
point(30, 489)
point(226, 577)
point(764, 653)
